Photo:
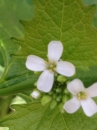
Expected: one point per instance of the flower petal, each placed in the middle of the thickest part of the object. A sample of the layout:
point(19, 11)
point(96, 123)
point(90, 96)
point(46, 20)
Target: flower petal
point(35, 63)
point(65, 68)
point(72, 105)
point(45, 81)
point(75, 86)
point(89, 107)
point(92, 90)
point(55, 49)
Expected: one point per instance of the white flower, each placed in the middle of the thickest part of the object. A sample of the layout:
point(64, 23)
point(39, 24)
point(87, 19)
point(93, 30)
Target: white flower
point(35, 94)
point(82, 97)
point(46, 79)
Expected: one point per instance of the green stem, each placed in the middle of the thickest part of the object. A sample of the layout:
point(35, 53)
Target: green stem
point(5, 106)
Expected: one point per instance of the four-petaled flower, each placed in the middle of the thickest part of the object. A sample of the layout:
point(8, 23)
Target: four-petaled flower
point(46, 79)
point(82, 97)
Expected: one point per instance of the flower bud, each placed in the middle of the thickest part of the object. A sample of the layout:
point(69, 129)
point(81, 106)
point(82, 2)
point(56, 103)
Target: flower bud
point(66, 91)
point(58, 90)
point(61, 108)
point(54, 96)
point(51, 93)
point(46, 99)
point(61, 79)
point(65, 98)
point(36, 94)
point(59, 98)
point(53, 104)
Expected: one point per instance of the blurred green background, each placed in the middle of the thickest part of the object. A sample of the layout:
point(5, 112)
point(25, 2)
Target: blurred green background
point(11, 11)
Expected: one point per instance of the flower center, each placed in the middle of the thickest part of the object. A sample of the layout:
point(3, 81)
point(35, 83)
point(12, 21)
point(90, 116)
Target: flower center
point(51, 66)
point(81, 95)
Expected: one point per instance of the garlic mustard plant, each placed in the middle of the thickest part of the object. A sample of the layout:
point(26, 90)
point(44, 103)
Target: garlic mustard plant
point(81, 97)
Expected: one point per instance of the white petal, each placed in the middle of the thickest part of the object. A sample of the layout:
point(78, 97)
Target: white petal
point(75, 86)
point(55, 49)
point(65, 68)
point(72, 105)
point(92, 90)
point(45, 81)
point(89, 107)
point(35, 63)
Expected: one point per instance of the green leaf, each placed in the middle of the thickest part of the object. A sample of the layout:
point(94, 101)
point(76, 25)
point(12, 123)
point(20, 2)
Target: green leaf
point(90, 2)
point(10, 14)
point(15, 74)
point(71, 25)
point(36, 117)
point(88, 77)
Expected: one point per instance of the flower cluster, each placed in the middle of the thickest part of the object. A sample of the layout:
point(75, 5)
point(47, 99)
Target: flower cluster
point(53, 86)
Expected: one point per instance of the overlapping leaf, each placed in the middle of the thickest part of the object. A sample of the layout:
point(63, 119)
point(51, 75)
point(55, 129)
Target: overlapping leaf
point(36, 117)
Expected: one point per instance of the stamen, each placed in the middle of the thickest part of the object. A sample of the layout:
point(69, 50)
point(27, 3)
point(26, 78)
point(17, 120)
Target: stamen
point(51, 66)
point(81, 95)
point(78, 96)
point(46, 62)
point(51, 70)
point(50, 61)
point(54, 69)
point(54, 63)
